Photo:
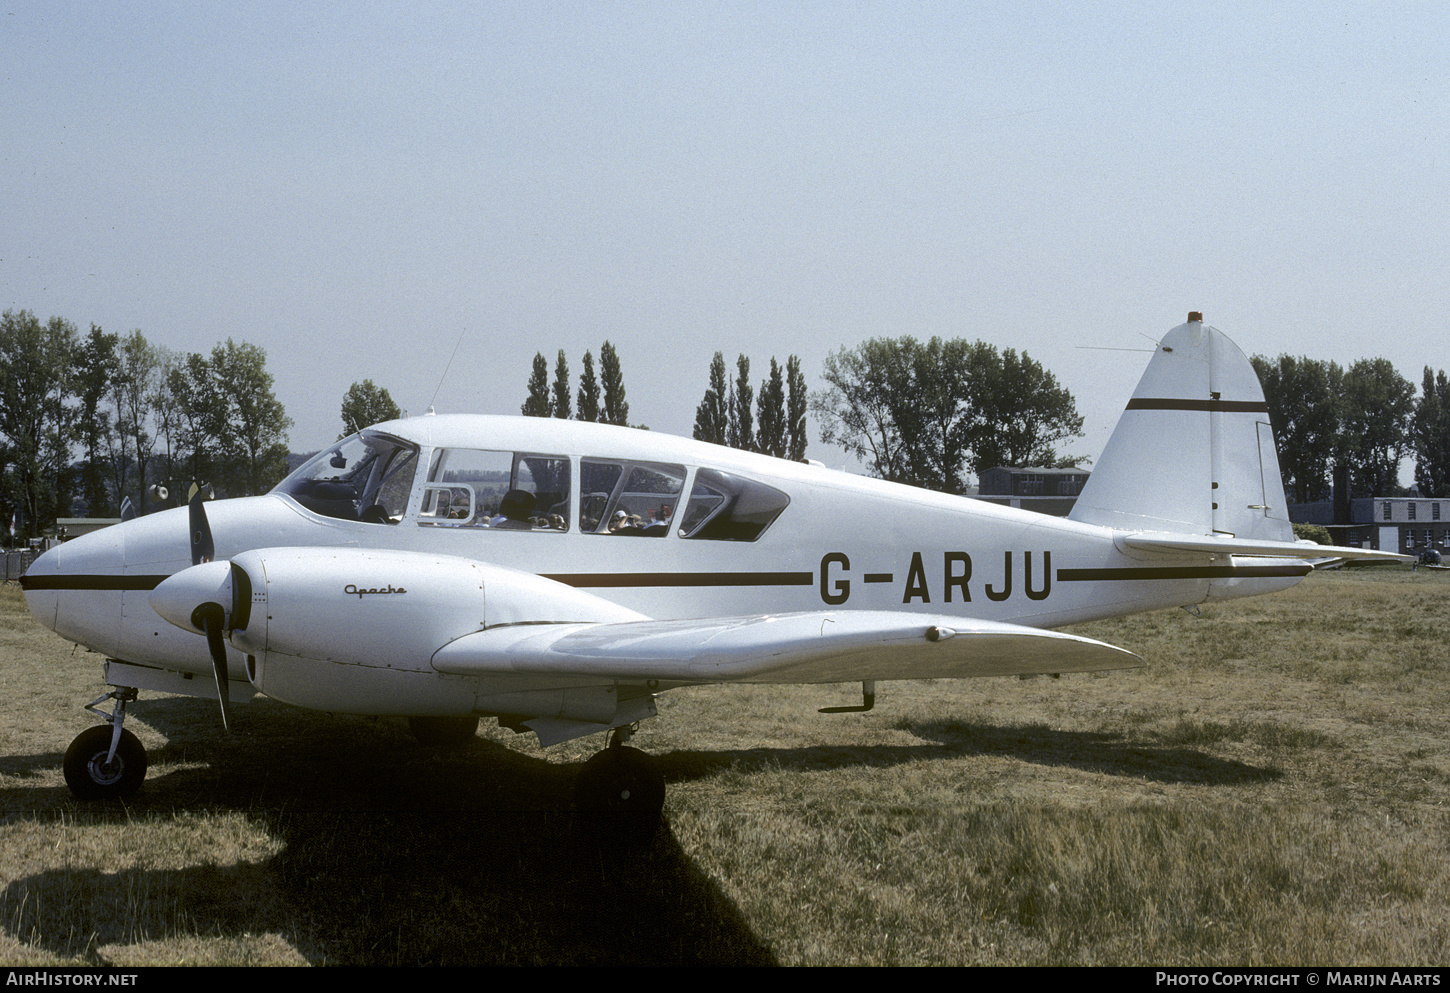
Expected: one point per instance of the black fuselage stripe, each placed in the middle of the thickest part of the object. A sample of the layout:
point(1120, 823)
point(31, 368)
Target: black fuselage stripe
point(629, 579)
point(81, 582)
point(1214, 406)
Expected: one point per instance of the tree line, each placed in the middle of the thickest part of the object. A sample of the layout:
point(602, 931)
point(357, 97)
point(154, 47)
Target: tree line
point(96, 418)
point(775, 425)
point(923, 413)
point(603, 404)
point(1367, 417)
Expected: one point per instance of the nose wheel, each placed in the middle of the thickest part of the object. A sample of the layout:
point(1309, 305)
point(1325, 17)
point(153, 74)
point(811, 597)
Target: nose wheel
point(620, 794)
point(106, 762)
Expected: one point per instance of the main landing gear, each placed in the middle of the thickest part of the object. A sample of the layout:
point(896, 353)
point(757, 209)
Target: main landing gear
point(620, 794)
point(106, 762)
point(444, 732)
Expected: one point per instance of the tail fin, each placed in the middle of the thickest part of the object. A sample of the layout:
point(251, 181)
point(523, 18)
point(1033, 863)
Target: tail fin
point(1193, 452)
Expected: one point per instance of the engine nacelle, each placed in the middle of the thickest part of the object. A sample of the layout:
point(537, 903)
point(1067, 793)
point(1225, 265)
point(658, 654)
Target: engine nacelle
point(354, 630)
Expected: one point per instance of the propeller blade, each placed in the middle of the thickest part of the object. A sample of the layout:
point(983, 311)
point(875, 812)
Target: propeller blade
point(203, 549)
point(210, 615)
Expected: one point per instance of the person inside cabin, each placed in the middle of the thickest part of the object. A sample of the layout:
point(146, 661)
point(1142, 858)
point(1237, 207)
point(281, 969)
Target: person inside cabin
point(458, 505)
point(514, 511)
point(659, 522)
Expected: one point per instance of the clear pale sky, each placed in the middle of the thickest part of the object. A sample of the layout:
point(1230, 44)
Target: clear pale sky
point(353, 186)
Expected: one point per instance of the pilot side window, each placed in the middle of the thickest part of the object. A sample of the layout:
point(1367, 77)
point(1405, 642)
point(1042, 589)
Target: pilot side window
point(367, 478)
point(509, 491)
point(725, 507)
point(627, 498)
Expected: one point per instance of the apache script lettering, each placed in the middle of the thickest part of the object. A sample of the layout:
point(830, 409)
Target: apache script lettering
point(360, 592)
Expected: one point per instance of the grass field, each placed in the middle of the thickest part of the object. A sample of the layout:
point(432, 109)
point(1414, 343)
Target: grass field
point(1274, 787)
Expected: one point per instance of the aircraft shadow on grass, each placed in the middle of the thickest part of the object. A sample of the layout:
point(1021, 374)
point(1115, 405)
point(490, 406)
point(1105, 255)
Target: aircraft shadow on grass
point(392, 854)
point(397, 854)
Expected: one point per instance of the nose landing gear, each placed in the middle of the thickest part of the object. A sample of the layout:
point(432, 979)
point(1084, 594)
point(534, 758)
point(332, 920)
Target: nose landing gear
point(106, 762)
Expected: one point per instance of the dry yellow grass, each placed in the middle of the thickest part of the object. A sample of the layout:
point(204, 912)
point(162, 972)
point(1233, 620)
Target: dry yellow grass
point(1273, 788)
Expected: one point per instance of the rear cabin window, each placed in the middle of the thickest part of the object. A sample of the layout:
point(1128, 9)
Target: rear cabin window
point(725, 507)
point(510, 491)
point(627, 498)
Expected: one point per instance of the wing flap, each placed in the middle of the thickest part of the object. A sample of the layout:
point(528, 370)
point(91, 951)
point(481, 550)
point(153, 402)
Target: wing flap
point(813, 646)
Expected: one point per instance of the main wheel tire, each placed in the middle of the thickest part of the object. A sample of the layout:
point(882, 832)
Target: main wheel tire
point(91, 777)
point(444, 732)
point(620, 796)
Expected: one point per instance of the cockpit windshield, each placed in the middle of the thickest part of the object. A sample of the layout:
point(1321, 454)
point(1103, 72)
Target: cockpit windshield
point(367, 478)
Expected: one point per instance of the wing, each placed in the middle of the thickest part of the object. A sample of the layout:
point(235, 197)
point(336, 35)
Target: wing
point(809, 647)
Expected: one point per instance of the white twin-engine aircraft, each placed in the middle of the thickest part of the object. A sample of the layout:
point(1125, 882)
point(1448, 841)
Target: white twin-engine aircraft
point(559, 575)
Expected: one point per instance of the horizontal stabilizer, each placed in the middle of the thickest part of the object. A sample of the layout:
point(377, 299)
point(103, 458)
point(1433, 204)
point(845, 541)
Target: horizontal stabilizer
point(809, 647)
point(1198, 544)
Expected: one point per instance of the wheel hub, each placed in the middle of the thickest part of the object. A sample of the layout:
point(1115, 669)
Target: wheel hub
point(106, 773)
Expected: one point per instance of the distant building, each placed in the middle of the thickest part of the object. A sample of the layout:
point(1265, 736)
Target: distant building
point(1047, 491)
point(1408, 525)
point(74, 527)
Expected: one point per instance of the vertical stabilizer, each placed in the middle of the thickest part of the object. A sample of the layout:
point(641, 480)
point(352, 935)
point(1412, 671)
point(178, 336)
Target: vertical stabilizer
point(1193, 451)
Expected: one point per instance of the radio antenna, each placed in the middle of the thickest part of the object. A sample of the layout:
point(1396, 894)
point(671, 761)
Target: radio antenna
point(446, 368)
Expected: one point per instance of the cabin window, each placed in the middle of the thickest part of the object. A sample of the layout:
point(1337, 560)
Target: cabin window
point(725, 507)
point(510, 491)
point(627, 498)
point(367, 478)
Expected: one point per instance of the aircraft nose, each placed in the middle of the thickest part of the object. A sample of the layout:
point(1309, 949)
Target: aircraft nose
point(75, 588)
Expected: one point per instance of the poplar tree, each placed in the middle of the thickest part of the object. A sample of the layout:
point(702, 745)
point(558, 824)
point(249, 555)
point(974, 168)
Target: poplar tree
point(537, 404)
point(588, 391)
point(1432, 436)
point(770, 438)
point(742, 396)
point(795, 410)
point(616, 408)
point(561, 405)
point(712, 416)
